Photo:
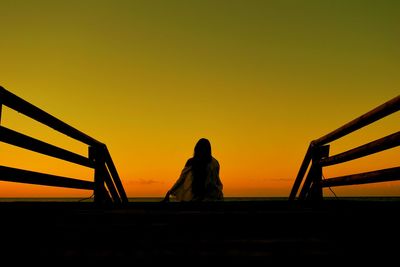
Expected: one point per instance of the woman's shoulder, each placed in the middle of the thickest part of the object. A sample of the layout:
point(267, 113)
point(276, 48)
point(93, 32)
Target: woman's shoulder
point(189, 162)
point(214, 162)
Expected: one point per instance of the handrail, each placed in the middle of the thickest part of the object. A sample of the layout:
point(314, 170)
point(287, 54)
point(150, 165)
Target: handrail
point(107, 184)
point(18, 104)
point(385, 175)
point(377, 113)
point(312, 187)
point(373, 147)
point(30, 177)
point(17, 139)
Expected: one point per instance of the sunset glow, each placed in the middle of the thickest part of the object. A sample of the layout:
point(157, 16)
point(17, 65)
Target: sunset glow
point(259, 79)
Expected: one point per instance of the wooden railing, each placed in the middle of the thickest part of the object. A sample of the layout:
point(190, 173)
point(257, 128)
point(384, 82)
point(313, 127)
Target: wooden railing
point(318, 156)
point(107, 186)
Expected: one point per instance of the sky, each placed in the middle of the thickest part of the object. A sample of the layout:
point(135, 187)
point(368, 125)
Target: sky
point(259, 79)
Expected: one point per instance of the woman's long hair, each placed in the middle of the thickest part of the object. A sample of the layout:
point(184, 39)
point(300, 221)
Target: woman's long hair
point(201, 158)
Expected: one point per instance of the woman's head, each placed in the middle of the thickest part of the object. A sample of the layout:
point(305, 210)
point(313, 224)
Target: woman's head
point(202, 150)
point(201, 158)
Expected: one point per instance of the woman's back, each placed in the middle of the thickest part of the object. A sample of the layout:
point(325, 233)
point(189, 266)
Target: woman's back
point(199, 180)
point(207, 184)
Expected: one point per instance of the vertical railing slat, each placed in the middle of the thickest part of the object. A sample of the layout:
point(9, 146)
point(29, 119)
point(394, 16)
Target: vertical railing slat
point(302, 172)
point(115, 176)
point(1, 108)
point(96, 153)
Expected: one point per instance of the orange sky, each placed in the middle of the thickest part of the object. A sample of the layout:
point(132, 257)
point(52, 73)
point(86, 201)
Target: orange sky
point(259, 79)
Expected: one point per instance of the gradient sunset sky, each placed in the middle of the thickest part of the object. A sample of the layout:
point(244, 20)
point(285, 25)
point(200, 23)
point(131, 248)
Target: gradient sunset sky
point(259, 79)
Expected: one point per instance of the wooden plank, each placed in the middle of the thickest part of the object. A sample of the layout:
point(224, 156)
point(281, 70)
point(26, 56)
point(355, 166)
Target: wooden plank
point(385, 175)
point(30, 177)
point(312, 187)
point(302, 172)
point(368, 118)
point(17, 139)
point(384, 143)
point(115, 176)
point(26, 108)
point(305, 189)
point(100, 193)
point(110, 186)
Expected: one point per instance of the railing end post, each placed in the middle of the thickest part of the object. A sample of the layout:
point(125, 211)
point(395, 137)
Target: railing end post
point(1, 107)
point(97, 156)
point(316, 192)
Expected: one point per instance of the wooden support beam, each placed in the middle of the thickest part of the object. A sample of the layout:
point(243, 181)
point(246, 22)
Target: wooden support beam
point(97, 155)
point(377, 113)
point(385, 175)
point(17, 139)
point(26, 108)
point(30, 177)
point(110, 186)
point(302, 172)
point(382, 144)
point(115, 176)
point(312, 185)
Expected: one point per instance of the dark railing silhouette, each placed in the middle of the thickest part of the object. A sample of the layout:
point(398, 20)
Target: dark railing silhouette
point(107, 186)
point(318, 156)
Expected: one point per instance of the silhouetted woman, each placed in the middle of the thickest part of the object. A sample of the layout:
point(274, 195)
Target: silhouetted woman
point(199, 179)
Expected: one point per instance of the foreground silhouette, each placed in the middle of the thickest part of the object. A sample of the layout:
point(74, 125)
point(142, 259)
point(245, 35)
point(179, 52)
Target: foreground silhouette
point(228, 233)
point(199, 179)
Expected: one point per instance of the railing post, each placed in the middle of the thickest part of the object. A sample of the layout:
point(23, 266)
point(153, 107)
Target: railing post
point(312, 187)
point(97, 155)
point(316, 193)
point(302, 172)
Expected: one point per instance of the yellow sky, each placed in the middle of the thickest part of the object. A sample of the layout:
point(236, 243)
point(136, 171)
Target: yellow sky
point(259, 79)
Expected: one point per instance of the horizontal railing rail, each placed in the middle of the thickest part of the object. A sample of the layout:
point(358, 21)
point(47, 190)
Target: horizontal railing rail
point(18, 104)
point(373, 147)
point(30, 177)
point(385, 175)
point(107, 185)
point(17, 139)
point(377, 113)
point(317, 156)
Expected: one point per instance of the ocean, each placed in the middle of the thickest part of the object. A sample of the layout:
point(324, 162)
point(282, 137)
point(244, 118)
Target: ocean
point(134, 199)
point(227, 199)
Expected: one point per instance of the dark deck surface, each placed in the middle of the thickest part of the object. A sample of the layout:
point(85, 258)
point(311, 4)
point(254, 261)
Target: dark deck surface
point(231, 233)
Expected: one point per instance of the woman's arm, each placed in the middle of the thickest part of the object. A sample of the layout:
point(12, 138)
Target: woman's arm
point(179, 182)
point(166, 198)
